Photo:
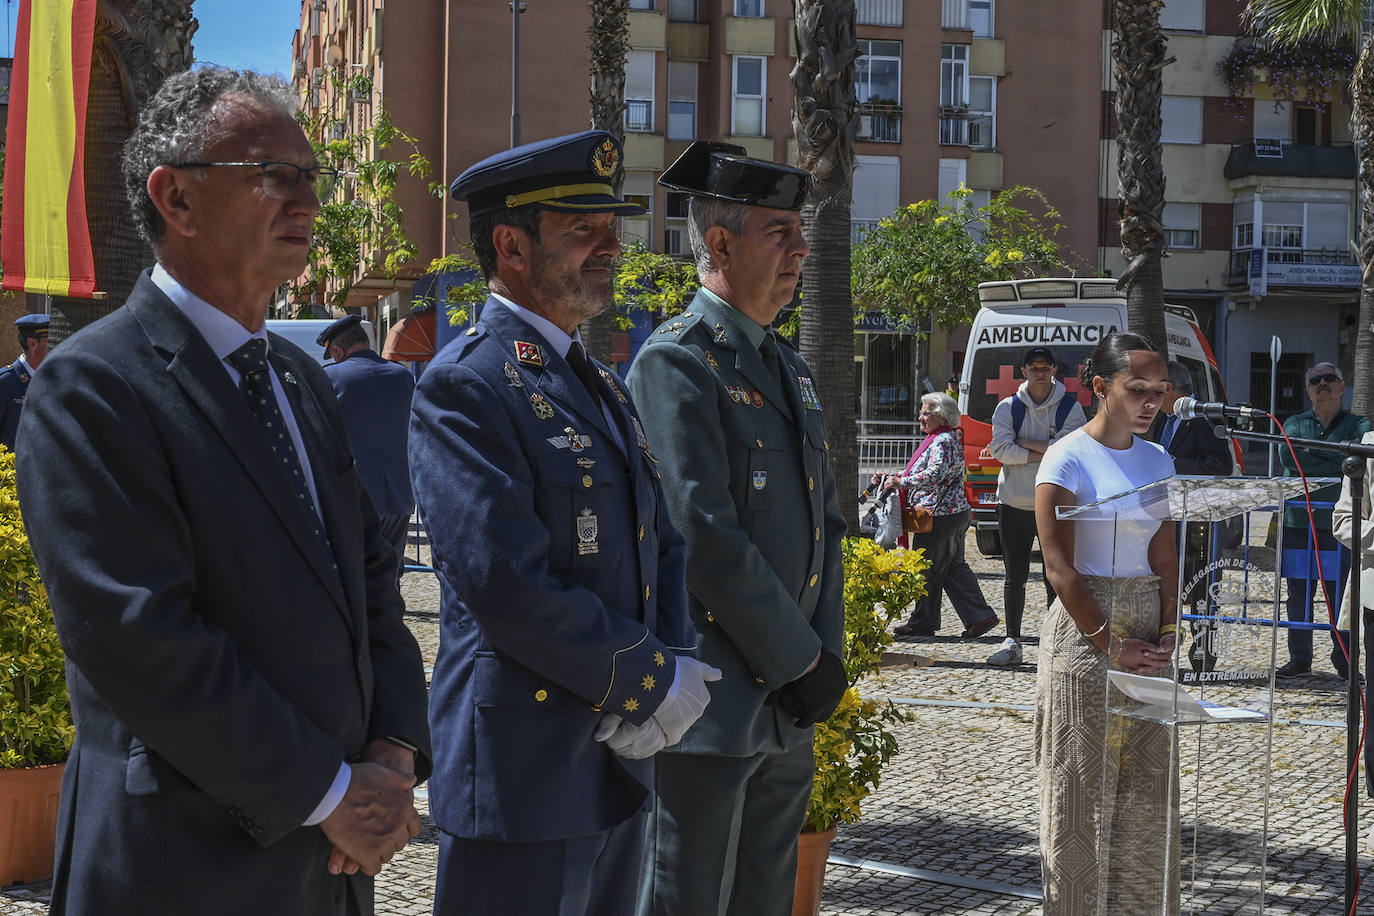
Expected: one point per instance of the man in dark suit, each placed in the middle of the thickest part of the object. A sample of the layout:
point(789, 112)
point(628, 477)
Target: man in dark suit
point(733, 413)
point(1196, 449)
point(15, 378)
point(566, 658)
point(250, 707)
point(374, 398)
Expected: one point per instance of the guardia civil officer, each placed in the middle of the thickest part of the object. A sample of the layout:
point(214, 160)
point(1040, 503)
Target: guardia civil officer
point(732, 412)
point(566, 654)
point(374, 398)
point(14, 378)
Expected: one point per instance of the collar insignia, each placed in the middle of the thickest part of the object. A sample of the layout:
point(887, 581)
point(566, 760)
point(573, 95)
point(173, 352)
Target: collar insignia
point(529, 354)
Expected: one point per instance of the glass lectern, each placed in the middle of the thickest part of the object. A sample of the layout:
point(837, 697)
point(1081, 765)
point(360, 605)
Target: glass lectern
point(1212, 712)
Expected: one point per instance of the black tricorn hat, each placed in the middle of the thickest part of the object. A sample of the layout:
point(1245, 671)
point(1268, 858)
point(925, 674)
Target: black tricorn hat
point(724, 171)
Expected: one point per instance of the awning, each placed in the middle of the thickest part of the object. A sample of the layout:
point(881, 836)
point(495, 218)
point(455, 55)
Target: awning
point(412, 338)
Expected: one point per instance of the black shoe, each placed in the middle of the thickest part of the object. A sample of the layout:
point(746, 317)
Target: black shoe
point(911, 629)
point(1293, 669)
point(981, 627)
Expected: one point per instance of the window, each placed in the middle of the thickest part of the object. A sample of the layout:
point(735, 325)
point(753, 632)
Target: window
point(747, 113)
point(1182, 226)
point(675, 224)
point(682, 10)
point(880, 12)
point(953, 174)
point(1182, 119)
point(639, 92)
point(682, 100)
point(1245, 235)
point(1273, 120)
point(982, 112)
point(953, 76)
point(980, 18)
point(874, 196)
point(1182, 16)
point(641, 4)
point(878, 72)
point(750, 8)
point(953, 14)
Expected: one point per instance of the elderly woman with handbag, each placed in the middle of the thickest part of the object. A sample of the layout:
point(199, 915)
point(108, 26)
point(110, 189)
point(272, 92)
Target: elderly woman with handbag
point(936, 516)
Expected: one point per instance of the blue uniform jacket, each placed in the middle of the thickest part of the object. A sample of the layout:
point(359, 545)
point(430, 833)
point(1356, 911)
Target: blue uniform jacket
point(750, 486)
point(14, 386)
point(374, 397)
point(562, 587)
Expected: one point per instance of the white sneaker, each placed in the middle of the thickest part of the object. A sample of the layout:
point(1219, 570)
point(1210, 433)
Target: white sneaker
point(1008, 654)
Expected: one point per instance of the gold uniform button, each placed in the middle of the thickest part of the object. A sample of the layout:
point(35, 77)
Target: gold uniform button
point(811, 483)
point(759, 443)
point(586, 480)
point(760, 681)
point(818, 534)
point(646, 593)
point(814, 580)
point(826, 443)
point(710, 618)
point(541, 695)
point(641, 532)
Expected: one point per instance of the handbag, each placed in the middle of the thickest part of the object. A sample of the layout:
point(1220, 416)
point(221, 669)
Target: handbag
point(917, 519)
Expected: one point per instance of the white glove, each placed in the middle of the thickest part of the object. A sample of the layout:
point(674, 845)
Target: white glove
point(687, 697)
point(633, 742)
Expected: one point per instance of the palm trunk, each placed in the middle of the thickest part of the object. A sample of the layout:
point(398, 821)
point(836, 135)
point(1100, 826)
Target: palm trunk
point(138, 44)
point(1362, 106)
point(824, 124)
point(610, 41)
point(1139, 55)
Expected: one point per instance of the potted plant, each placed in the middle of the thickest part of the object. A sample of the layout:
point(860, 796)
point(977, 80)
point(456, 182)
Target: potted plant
point(35, 720)
point(854, 744)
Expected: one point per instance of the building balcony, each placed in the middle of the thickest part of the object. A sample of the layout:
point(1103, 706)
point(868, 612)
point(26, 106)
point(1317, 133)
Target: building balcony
point(880, 12)
point(1280, 157)
point(1298, 267)
point(880, 123)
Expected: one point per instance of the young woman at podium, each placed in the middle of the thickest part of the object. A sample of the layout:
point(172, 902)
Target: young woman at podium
point(1104, 782)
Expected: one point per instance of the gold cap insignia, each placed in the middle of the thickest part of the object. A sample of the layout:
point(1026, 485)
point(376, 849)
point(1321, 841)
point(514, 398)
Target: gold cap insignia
point(606, 158)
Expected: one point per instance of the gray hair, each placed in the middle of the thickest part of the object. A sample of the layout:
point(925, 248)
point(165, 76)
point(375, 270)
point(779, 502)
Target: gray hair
point(702, 214)
point(1180, 377)
point(180, 122)
point(948, 409)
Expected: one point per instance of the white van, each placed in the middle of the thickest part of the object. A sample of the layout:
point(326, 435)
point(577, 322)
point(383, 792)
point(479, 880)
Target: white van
point(303, 332)
point(1069, 316)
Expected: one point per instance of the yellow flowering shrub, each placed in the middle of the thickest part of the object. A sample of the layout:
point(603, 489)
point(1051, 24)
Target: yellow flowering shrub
point(35, 719)
point(852, 746)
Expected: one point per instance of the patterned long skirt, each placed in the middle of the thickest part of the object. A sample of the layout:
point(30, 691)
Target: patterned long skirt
point(1109, 832)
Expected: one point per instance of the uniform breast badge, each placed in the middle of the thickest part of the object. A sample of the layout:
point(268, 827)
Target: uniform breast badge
point(756, 398)
point(587, 533)
point(288, 378)
point(529, 354)
point(513, 377)
point(760, 479)
point(808, 393)
point(542, 408)
point(711, 358)
point(572, 441)
point(643, 442)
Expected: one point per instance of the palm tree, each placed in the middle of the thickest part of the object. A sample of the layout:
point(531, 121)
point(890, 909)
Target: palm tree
point(1294, 21)
point(1138, 55)
point(824, 124)
point(138, 44)
point(609, 43)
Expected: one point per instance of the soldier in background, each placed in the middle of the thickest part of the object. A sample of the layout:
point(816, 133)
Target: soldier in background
point(14, 378)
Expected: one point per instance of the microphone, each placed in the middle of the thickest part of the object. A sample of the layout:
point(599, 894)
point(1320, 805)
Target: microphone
point(1187, 408)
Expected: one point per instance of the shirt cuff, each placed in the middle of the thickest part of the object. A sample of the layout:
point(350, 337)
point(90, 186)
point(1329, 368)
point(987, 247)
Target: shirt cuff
point(332, 797)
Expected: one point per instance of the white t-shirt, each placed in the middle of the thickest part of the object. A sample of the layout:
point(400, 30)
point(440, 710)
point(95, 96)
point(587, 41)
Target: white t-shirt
point(1091, 471)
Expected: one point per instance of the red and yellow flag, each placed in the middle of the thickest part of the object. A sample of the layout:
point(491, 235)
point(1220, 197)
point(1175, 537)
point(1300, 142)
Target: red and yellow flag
point(45, 244)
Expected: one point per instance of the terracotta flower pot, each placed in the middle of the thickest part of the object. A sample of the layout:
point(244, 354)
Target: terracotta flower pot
point(812, 851)
point(28, 822)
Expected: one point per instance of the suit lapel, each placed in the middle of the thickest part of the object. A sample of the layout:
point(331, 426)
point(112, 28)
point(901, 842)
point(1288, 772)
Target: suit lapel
point(206, 384)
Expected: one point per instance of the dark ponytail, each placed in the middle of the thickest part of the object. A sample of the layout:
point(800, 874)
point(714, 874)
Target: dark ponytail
point(1113, 354)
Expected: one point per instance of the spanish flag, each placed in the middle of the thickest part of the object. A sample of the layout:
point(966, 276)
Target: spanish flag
point(45, 244)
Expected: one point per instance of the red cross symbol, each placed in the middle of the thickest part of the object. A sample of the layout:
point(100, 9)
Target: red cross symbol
point(1005, 384)
point(1074, 387)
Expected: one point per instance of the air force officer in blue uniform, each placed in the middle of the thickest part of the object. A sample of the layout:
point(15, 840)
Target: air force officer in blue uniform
point(733, 413)
point(374, 398)
point(14, 378)
point(566, 659)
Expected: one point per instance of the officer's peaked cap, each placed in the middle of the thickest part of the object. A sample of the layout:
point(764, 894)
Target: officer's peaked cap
point(572, 174)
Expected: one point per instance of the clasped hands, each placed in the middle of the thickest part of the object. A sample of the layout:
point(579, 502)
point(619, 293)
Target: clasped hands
point(684, 703)
point(1139, 656)
point(377, 816)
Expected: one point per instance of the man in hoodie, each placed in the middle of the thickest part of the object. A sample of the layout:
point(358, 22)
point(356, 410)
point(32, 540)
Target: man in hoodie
point(1023, 426)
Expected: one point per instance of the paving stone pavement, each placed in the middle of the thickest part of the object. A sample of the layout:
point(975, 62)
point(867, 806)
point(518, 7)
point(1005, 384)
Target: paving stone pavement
point(960, 800)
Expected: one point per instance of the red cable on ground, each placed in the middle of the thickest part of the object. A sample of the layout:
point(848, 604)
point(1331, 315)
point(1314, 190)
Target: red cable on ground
point(1333, 615)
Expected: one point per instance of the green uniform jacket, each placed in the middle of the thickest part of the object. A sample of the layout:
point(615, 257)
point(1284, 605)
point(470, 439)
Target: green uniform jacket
point(748, 483)
point(1318, 464)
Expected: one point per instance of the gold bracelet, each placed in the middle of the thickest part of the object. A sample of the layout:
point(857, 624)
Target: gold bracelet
point(1120, 647)
point(1168, 628)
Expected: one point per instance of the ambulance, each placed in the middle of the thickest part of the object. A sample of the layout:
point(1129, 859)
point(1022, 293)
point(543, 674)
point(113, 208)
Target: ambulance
point(1069, 316)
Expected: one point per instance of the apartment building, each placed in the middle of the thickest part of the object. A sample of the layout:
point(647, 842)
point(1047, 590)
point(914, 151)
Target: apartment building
point(1260, 205)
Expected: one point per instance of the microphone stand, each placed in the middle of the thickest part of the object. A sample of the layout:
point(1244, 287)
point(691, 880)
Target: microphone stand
point(1354, 468)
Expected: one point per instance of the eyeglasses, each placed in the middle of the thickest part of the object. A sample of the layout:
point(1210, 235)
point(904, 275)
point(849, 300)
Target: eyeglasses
point(1329, 377)
point(279, 179)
